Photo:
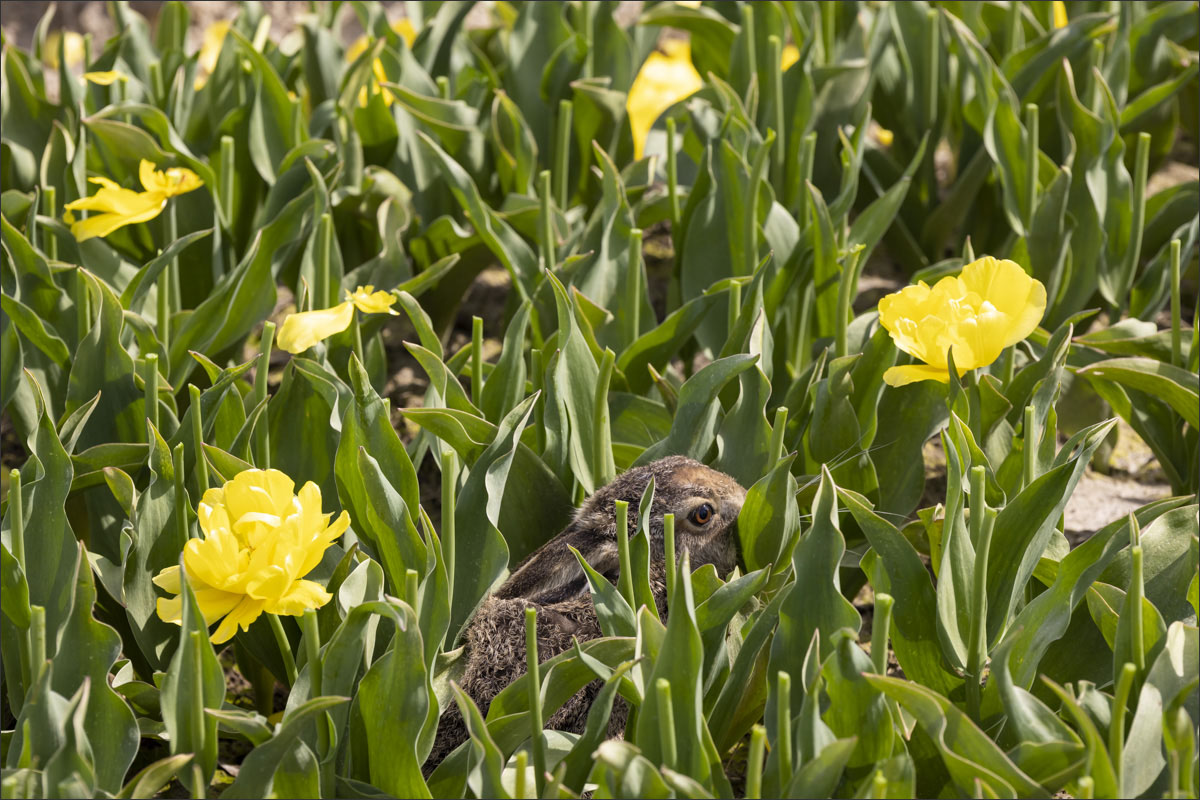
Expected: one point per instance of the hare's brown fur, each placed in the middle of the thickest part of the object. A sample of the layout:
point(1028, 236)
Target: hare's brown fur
point(552, 581)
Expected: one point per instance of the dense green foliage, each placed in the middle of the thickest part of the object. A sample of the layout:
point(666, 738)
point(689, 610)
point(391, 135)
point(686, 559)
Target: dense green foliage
point(1026, 667)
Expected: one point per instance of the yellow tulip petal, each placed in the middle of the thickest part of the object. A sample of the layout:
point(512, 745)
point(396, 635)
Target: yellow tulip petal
point(1059, 9)
point(790, 55)
point(302, 330)
point(663, 80)
point(316, 548)
point(911, 373)
point(245, 613)
point(168, 580)
point(215, 603)
point(106, 77)
point(170, 609)
point(404, 27)
point(370, 302)
point(210, 49)
point(172, 181)
point(269, 584)
point(1011, 290)
point(302, 596)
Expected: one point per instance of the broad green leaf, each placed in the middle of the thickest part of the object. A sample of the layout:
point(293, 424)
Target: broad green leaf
point(769, 520)
point(1177, 386)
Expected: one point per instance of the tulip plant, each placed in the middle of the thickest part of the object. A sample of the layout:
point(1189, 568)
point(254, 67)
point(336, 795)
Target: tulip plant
point(681, 205)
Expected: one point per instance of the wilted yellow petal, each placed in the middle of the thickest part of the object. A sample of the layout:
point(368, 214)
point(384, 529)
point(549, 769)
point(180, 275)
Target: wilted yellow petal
point(302, 330)
point(172, 181)
point(106, 78)
point(372, 302)
point(1060, 13)
point(993, 304)
point(664, 79)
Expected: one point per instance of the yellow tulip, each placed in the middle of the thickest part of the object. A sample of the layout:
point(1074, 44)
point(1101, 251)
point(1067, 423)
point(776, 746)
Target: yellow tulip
point(123, 207)
point(1060, 13)
point(990, 306)
point(664, 79)
point(210, 51)
point(791, 54)
point(260, 540)
point(408, 33)
point(302, 330)
point(105, 78)
point(72, 45)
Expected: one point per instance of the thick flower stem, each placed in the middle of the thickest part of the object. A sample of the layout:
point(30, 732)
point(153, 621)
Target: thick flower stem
point(751, 52)
point(847, 288)
point(562, 153)
point(546, 242)
point(633, 287)
point(603, 468)
point(1116, 727)
point(754, 762)
point(775, 74)
point(783, 726)
point(50, 209)
point(522, 777)
point(669, 552)
point(323, 291)
point(982, 518)
point(880, 626)
point(1176, 314)
point(1135, 596)
point(1141, 165)
point(666, 722)
point(163, 309)
point(625, 578)
point(477, 360)
point(262, 429)
point(312, 654)
point(150, 377)
point(449, 487)
point(777, 431)
point(37, 642)
point(198, 439)
point(537, 741)
point(169, 236)
point(199, 718)
point(285, 648)
point(1030, 445)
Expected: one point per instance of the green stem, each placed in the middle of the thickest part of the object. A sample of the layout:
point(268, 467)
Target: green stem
point(323, 291)
point(775, 72)
point(156, 82)
point(934, 55)
point(1116, 728)
point(562, 153)
point(477, 360)
point(1031, 162)
point(751, 65)
point(534, 683)
point(521, 776)
point(443, 84)
point(735, 306)
point(16, 513)
point(228, 164)
point(263, 430)
point(1029, 447)
point(1137, 591)
point(199, 718)
point(37, 642)
point(625, 579)
point(672, 175)
point(808, 149)
point(356, 343)
point(150, 378)
point(1008, 365)
point(602, 459)
point(169, 237)
point(587, 14)
point(1140, 168)
point(828, 29)
point(633, 286)
point(181, 497)
point(777, 431)
point(1086, 787)
point(163, 309)
point(879, 784)
point(198, 439)
point(546, 242)
point(1176, 313)
point(666, 722)
point(754, 762)
point(880, 627)
point(802, 346)
point(981, 536)
point(669, 553)
point(449, 487)
point(285, 648)
point(312, 654)
point(50, 209)
point(783, 726)
point(847, 287)
point(1012, 26)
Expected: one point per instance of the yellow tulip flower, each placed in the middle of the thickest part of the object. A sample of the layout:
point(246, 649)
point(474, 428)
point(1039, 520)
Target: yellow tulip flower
point(664, 79)
point(123, 207)
point(302, 330)
point(408, 33)
point(260, 540)
point(992, 305)
point(210, 51)
point(106, 77)
point(1059, 9)
point(72, 45)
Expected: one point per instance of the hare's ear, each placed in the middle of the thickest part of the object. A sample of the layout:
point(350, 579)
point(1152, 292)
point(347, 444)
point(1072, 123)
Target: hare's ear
point(552, 574)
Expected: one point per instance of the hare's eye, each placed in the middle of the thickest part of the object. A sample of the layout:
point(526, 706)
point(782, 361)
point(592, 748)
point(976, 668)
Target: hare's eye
point(702, 514)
